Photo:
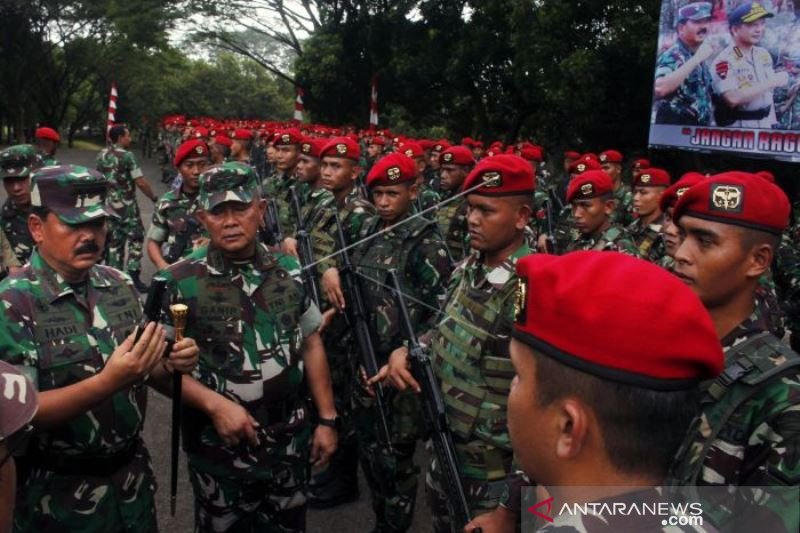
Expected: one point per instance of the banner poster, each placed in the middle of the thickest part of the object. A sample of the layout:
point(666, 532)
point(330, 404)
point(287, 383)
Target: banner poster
point(727, 78)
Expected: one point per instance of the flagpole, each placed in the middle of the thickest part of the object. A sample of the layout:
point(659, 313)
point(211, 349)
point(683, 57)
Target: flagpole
point(112, 110)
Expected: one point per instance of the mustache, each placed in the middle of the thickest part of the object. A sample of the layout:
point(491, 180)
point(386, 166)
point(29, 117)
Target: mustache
point(87, 248)
point(703, 32)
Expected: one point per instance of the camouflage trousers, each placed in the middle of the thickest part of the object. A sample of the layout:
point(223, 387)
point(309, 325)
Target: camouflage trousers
point(483, 496)
point(392, 475)
point(122, 502)
point(125, 234)
point(272, 500)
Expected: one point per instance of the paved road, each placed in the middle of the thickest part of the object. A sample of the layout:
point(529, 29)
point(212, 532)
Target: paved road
point(352, 518)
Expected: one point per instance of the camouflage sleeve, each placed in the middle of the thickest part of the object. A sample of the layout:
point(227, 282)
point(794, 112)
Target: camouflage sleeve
point(159, 230)
point(132, 165)
point(17, 346)
point(625, 246)
point(667, 63)
point(430, 271)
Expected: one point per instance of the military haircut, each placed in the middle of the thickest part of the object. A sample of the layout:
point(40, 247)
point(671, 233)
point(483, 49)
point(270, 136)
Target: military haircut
point(752, 237)
point(40, 211)
point(116, 132)
point(642, 429)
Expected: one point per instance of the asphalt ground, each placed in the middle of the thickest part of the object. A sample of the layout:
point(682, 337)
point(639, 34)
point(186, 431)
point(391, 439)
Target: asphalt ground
point(355, 517)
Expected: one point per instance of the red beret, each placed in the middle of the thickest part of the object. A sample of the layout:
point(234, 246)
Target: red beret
point(571, 155)
point(241, 134)
point(618, 318)
point(531, 153)
point(611, 156)
point(737, 198)
point(411, 149)
point(378, 139)
point(590, 184)
point(341, 147)
point(767, 175)
point(641, 163)
point(503, 175)
point(392, 169)
point(288, 137)
point(189, 149)
point(48, 134)
point(426, 144)
point(652, 177)
point(589, 156)
point(457, 155)
point(223, 140)
point(440, 146)
point(677, 189)
point(579, 166)
point(312, 147)
point(201, 132)
point(468, 141)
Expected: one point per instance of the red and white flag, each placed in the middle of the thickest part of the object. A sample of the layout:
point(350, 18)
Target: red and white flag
point(112, 107)
point(298, 106)
point(373, 105)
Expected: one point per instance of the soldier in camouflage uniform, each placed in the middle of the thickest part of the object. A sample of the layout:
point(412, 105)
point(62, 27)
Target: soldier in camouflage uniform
point(670, 231)
point(339, 169)
point(16, 165)
point(565, 403)
point(426, 196)
point(433, 174)
point(683, 81)
point(455, 163)
point(247, 428)
point(787, 278)
point(68, 326)
point(591, 196)
point(470, 342)
point(647, 230)
point(175, 231)
point(611, 163)
point(126, 232)
point(411, 246)
point(47, 140)
point(287, 143)
point(747, 434)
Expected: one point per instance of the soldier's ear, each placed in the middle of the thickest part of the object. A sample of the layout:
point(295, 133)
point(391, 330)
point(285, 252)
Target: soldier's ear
point(201, 217)
point(36, 228)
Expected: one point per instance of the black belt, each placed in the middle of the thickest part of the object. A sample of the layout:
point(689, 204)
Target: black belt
point(275, 412)
point(755, 114)
point(82, 465)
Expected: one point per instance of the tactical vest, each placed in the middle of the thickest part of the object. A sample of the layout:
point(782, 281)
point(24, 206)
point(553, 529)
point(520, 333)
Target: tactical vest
point(222, 309)
point(473, 339)
point(61, 337)
point(756, 364)
point(384, 253)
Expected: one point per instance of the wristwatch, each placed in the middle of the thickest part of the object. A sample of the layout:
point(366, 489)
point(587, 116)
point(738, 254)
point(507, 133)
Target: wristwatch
point(334, 422)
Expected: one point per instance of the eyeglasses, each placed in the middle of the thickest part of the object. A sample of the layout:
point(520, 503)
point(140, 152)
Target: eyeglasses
point(17, 443)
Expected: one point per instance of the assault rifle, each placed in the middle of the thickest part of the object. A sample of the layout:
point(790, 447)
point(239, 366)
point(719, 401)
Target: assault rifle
point(435, 416)
point(357, 315)
point(304, 250)
point(272, 224)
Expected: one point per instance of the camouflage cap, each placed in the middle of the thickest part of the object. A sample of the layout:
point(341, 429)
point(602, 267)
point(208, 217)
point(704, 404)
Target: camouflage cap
point(19, 161)
point(74, 194)
point(228, 182)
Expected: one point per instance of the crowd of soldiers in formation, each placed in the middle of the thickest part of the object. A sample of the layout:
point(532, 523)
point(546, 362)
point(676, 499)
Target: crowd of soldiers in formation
point(351, 294)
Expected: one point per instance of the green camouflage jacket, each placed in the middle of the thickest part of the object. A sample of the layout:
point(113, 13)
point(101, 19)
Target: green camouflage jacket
point(648, 239)
point(59, 337)
point(691, 102)
point(249, 320)
point(415, 250)
point(277, 186)
point(614, 239)
point(173, 216)
point(452, 221)
point(354, 211)
point(623, 214)
point(120, 167)
point(472, 362)
point(759, 444)
point(14, 223)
